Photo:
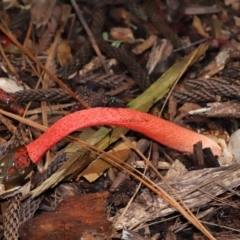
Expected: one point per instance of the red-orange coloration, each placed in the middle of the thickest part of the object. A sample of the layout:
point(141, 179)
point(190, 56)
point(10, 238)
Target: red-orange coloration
point(160, 130)
point(21, 158)
point(5, 41)
point(8, 103)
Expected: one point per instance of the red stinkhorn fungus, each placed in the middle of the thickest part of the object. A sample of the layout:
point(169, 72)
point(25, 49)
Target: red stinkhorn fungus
point(5, 41)
point(160, 130)
point(8, 103)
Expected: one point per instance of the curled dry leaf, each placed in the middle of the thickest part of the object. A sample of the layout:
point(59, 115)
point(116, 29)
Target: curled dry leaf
point(123, 34)
point(199, 27)
point(145, 45)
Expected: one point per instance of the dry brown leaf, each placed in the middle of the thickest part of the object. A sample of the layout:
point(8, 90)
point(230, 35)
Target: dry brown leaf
point(235, 4)
point(145, 45)
point(160, 53)
point(50, 30)
point(218, 63)
point(41, 11)
point(16, 4)
point(64, 52)
point(186, 107)
point(183, 111)
point(122, 34)
point(118, 14)
point(199, 27)
point(98, 167)
point(171, 235)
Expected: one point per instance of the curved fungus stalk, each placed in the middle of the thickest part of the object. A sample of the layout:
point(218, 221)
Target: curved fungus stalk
point(162, 131)
point(16, 165)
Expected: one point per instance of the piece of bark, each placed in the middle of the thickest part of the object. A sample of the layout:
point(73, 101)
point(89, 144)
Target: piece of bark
point(229, 109)
point(196, 188)
point(210, 161)
point(198, 156)
point(76, 218)
point(142, 146)
point(130, 235)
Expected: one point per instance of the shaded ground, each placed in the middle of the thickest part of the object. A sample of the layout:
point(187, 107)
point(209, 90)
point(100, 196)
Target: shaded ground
point(141, 42)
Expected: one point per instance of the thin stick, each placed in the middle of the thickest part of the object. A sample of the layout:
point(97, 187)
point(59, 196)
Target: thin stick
point(29, 54)
point(26, 41)
point(89, 33)
point(10, 67)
